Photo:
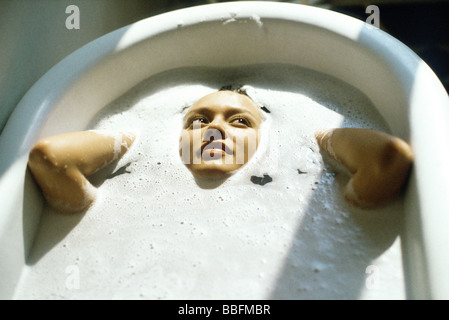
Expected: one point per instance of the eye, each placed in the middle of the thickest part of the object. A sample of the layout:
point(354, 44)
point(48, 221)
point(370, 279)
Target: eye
point(198, 120)
point(241, 121)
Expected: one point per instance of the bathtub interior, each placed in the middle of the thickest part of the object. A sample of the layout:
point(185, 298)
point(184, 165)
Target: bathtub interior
point(72, 94)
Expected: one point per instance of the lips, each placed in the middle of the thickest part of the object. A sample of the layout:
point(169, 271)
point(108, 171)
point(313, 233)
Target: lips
point(215, 145)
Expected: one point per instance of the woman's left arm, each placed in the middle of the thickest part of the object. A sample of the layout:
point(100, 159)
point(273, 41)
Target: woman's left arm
point(379, 163)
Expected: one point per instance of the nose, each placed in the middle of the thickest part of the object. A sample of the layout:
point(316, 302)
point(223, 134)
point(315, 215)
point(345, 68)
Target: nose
point(215, 131)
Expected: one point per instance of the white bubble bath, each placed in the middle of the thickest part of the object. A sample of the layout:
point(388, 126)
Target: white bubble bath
point(157, 233)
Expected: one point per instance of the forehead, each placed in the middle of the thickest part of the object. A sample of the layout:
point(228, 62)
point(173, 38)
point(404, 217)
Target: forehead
point(226, 100)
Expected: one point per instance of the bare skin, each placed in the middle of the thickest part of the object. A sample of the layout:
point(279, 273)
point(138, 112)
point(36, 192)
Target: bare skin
point(220, 134)
point(379, 163)
point(61, 165)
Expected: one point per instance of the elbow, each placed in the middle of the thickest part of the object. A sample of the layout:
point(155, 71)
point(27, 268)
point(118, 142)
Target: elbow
point(382, 179)
point(63, 185)
point(45, 155)
point(397, 155)
point(39, 157)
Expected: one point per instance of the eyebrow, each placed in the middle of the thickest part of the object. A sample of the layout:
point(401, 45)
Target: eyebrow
point(191, 113)
point(231, 111)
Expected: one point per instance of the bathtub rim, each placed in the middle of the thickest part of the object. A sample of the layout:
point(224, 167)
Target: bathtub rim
point(46, 94)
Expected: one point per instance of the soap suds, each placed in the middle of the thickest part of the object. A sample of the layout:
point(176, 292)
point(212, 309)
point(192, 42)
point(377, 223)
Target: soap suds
point(257, 20)
point(119, 142)
point(157, 233)
point(233, 18)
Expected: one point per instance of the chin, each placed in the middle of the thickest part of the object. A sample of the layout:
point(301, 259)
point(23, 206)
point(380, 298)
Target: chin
point(213, 171)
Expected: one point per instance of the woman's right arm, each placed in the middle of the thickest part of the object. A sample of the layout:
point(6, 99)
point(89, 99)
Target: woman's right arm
point(61, 165)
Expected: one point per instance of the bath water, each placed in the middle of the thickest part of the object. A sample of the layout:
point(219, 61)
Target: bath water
point(157, 233)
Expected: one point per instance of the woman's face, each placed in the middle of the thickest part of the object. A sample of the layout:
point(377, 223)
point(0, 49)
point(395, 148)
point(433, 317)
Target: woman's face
point(220, 134)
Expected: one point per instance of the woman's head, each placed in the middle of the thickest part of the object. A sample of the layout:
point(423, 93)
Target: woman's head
point(220, 133)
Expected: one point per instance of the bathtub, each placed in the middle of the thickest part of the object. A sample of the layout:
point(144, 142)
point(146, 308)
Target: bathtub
point(403, 88)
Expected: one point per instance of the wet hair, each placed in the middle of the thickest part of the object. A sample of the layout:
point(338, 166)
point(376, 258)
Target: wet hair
point(241, 89)
point(235, 88)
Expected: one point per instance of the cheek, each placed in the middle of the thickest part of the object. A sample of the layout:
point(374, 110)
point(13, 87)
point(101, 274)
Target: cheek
point(190, 145)
point(184, 139)
point(246, 140)
point(252, 141)
point(185, 146)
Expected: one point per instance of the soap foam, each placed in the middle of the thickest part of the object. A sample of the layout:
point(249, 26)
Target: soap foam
point(156, 232)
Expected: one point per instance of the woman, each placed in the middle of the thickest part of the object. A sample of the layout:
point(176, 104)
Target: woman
point(221, 133)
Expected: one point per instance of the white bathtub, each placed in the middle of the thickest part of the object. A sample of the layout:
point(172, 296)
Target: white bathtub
point(403, 88)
